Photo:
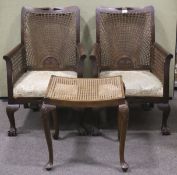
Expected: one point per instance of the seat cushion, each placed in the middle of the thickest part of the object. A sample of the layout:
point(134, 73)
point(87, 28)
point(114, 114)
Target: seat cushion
point(34, 83)
point(138, 83)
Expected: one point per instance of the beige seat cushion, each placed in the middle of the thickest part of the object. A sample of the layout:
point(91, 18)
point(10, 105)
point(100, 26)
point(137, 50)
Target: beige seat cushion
point(138, 83)
point(34, 83)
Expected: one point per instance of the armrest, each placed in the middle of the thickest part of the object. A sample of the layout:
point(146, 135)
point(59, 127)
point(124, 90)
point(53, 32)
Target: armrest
point(16, 66)
point(95, 59)
point(81, 55)
point(160, 66)
point(81, 51)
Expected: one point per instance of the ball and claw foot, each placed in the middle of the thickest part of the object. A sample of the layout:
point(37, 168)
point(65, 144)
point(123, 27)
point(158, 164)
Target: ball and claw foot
point(124, 166)
point(12, 132)
point(55, 136)
point(49, 166)
point(165, 131)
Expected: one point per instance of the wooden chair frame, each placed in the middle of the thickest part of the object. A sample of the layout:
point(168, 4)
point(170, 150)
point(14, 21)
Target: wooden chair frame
point(161, 64)
point(17, 66)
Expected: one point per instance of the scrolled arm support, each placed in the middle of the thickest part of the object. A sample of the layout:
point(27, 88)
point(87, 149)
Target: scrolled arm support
point(161, 66)
point(81, 55)
point(95, 60)
point(16, 66)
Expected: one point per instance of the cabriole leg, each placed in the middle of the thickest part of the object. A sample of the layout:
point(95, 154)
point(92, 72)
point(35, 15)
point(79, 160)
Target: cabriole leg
point(11, 109)
point(122, 125)
point(56, 125)
point(45, 113)
point(165, 108)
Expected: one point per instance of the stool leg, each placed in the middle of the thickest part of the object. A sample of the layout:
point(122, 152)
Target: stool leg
point(122, 125)
point(118, 133)
point(56, 125)
point(45, 112)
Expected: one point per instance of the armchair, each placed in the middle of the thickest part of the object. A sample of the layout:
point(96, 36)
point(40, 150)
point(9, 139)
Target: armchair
point(50, 45)
point(125, 45)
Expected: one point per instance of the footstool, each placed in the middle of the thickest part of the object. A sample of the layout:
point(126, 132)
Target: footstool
point(83, 93)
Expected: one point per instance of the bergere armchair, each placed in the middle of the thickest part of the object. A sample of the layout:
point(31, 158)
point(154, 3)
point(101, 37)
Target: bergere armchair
point(50, 45)
point(125, 45)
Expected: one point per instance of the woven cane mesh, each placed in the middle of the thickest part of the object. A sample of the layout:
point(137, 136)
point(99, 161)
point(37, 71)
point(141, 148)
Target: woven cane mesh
point(18, 65)
point(125, 39)
point(85, 90)
point(158, 64)
point(50, 39)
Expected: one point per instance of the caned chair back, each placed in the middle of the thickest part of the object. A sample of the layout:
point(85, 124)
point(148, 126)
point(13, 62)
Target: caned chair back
point(50, 37)
point(126, 37)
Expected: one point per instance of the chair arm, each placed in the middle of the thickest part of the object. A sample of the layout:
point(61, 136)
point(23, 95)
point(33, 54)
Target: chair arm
point(160, 66)
point(16, 66)
point(81, 55)
point(95, 59)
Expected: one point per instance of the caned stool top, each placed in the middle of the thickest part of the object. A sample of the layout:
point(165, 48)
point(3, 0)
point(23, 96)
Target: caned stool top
point(85, 92)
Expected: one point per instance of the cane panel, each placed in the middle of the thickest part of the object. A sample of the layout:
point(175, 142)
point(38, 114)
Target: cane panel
point(125, 38)
point(50, 38)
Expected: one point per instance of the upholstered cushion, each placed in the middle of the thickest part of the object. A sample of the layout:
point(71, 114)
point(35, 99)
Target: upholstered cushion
point(138, 83)
point(34, 83)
